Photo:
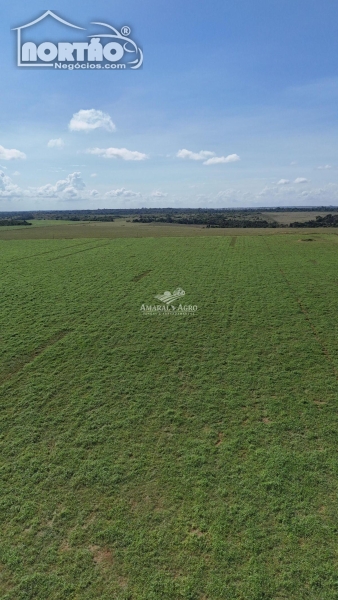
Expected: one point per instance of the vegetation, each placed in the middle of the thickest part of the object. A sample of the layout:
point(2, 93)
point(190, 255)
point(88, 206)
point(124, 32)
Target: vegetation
point(11, 222)
point(210, 218)
point(200, 216)
point(104, 218)
point(218, 219)
point(166, 457)
point(326, 221)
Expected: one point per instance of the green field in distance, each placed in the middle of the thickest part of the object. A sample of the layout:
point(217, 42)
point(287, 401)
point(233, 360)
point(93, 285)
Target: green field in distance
point(124, 228)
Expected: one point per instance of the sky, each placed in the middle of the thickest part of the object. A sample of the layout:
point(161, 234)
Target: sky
point(235, 105)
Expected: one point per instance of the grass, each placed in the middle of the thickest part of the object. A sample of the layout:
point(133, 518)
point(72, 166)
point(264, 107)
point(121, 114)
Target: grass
point(164, 457)
point(36, 223)
point(121, 228)
point(287, 217)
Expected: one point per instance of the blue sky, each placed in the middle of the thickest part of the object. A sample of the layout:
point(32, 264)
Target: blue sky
point(236, 105)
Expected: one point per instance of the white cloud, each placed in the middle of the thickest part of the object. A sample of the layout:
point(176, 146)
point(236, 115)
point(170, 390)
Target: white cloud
point(118, 153)
point(202, 155)
point(324, 167)
point(8, 189)
point(122, 193)
point(301, 180)
point(209, 158)
point(16, 174)
point(93, 175)
point(89, 120)
point(217, 160)
point(158, 194)
point(64, 188)
point(283, 182)
point(293, 163)
point(69, 189)
point(6, 154)
point(57, 143)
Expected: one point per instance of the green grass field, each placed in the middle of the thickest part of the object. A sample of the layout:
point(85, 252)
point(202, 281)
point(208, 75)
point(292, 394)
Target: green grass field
point(122, 228)
point(166, 457)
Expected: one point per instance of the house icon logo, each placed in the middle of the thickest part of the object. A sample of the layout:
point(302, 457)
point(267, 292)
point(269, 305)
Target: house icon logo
point(107, 49)
point(168, 297)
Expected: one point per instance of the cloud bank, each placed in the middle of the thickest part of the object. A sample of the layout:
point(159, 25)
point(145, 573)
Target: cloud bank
point(122, 193)
point(64, 188)
point(8, 189)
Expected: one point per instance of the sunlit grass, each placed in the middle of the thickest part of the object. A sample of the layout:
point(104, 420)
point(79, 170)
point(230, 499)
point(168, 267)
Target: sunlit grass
point(169, 457)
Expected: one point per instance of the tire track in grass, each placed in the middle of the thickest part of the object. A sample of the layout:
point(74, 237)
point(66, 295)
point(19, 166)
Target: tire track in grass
point(47, 252)
point(72, 253)
point(304, 311)
point(138, 277)
point(29, 358)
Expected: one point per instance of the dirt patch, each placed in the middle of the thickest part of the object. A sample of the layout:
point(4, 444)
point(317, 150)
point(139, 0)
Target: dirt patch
point(233, 241)
point(65, 547)
point(101, 556)
point(197, 532)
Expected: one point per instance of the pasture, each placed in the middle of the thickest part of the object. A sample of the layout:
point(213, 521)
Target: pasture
point(167, 457)
point(124, 228)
